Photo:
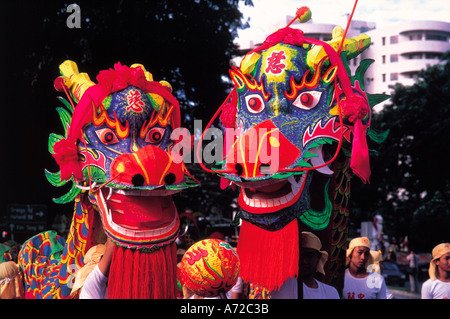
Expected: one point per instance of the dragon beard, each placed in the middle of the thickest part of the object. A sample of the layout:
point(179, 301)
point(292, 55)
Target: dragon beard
point(266, 259)
point(142, 275)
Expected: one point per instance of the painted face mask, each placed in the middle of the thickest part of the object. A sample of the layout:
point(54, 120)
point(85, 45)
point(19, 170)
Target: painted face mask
point(123, 153)
point(118, 153)
point(294, 114)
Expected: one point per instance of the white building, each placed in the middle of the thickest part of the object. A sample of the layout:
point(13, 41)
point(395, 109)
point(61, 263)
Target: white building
point(400, 50)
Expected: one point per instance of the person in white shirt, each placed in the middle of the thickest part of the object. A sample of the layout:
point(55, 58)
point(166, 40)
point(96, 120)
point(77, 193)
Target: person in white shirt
point(359, 283)
point(438, 286)
point(312, 261)
point(377, 266)
point(95, 285)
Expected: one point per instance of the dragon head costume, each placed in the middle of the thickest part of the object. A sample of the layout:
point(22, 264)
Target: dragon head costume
point(295, 127)
point(120, 157)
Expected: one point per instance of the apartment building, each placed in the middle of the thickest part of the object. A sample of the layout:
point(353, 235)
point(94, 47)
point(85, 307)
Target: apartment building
point(400, 50)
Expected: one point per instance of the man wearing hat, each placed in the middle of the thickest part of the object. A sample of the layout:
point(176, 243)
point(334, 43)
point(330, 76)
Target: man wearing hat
point(312, 261)
point(438, 286)
point(358, 282)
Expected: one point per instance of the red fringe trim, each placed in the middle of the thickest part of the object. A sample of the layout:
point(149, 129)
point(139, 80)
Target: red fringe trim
point(138, 275)
point(268, 258)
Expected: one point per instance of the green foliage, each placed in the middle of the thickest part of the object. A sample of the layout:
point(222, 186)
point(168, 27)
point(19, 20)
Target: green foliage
point(188, 43)
point(409, 183)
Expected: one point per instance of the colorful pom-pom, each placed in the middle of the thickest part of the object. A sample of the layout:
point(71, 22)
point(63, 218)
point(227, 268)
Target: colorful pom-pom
point(210, 267)
point(303, 14)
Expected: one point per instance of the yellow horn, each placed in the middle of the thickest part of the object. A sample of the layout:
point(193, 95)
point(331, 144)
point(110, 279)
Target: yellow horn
point(148, 75)
point(77, 82)
point(353, 46)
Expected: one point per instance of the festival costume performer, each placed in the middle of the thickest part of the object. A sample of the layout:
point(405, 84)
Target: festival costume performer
point(438, 286)
point(360, 282)
point(295, 128)
point(117, 151)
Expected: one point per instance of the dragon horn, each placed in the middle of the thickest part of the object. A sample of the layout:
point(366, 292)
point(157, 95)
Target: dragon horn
point(148, 75)
point(76, 82)
point(353, 47)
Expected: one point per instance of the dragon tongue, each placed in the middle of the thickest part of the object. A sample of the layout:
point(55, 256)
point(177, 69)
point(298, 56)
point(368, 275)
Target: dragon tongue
point(272, 187)
point(141, 212)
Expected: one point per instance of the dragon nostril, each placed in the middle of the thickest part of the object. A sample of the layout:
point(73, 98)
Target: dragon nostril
point(138, 180)
point(239, 169)
point(170, 178)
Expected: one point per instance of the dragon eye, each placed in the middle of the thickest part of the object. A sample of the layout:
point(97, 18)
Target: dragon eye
point(155, 135)
point(307, 100)
point(107, 136)
point(255, 103)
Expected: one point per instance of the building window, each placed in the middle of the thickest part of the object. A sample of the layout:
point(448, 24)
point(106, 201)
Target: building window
point(432, 55)
point(412, 75)
point(394, 39)
point(394, 76)
point(383, 40)
point(435, 37)
point(383, 76)
point(414, 56)
point(415, 36)
point(394, 58)
point(383, 59)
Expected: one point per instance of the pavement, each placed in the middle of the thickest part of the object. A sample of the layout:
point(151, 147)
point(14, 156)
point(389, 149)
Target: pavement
point(404, 294)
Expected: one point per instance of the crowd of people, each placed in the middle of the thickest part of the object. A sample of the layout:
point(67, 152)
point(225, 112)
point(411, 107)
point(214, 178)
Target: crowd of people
point(363, 276)
point(362, 279)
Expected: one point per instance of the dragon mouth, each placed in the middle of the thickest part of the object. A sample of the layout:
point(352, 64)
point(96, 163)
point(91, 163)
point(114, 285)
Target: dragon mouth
point(138, 216)
point(270, 195)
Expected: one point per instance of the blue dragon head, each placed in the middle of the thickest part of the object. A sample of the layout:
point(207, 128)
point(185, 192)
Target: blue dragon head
point(294, 113)
point(293, 108)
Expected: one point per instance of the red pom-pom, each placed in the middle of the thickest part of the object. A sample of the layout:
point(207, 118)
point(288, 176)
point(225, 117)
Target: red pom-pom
point(355, 107)
point(59, 84)
point(228, 115)
point(66, 155)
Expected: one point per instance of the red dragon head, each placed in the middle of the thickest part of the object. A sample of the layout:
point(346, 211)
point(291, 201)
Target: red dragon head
point(118, 147)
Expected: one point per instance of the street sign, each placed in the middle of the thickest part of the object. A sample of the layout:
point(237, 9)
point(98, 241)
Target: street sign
point(27, 218)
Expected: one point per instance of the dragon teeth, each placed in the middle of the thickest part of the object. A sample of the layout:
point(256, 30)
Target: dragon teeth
point(273, 202)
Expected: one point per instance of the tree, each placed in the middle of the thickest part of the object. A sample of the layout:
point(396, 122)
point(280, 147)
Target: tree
point(187, 43)
point(409, 184)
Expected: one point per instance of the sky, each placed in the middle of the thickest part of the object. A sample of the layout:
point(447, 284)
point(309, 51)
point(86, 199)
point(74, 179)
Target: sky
point(265, 14)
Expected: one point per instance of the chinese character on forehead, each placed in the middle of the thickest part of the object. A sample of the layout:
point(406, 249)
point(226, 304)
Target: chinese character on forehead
point(134, 101)
point(274, 62)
